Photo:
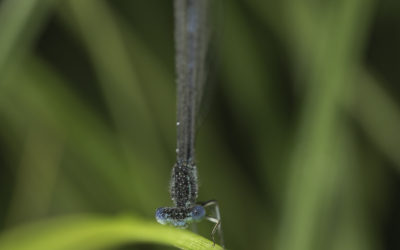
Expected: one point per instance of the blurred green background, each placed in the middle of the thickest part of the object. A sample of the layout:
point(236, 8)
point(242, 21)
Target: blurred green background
point(301, 144)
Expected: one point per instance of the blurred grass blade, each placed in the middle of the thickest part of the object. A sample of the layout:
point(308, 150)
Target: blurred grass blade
point(98, 28)
point(156, 80)
point(95, 232)
point(20, 21)
point(326, 75)
point(379, 118)
point(44, 98)
point(347, 196)
point(95, 22)
point(258, 76)
point(42, 156)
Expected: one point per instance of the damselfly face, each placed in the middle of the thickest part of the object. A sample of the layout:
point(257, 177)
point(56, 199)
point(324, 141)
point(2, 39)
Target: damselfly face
point(180, 216)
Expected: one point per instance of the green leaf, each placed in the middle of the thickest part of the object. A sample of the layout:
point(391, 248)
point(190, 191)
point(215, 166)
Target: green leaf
point(94, 232)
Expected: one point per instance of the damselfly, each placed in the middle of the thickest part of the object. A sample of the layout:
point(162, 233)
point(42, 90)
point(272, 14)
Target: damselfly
point(191, 42)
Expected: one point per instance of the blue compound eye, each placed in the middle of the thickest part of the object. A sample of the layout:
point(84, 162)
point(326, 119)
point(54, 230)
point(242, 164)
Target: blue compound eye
point(161, 215)
point(198, 213)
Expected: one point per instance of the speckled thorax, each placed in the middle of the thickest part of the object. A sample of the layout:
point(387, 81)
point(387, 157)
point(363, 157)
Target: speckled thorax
point(183, 186)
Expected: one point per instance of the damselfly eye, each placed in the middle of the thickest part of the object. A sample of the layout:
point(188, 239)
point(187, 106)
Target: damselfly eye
point(198, 213)
point(161, 215)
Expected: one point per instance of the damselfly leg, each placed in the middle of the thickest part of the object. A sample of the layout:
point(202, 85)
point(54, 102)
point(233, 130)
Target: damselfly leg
point(216, 220)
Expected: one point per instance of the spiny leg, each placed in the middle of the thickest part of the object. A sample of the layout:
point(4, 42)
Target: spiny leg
point(216, 220)
point(217, 224)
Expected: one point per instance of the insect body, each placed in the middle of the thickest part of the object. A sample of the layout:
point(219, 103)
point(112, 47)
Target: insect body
point(191, 40)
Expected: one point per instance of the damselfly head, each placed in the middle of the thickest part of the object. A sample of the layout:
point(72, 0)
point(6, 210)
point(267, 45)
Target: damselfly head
point(180, 216)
